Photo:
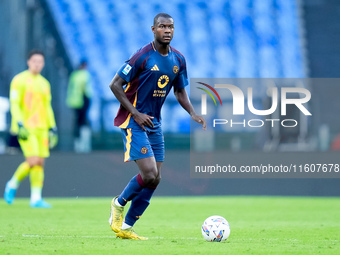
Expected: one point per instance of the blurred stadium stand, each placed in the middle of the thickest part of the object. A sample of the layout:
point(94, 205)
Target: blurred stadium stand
point(219, 39)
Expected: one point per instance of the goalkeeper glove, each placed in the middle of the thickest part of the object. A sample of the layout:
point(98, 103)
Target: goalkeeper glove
point(52, 137)
point(23, 132)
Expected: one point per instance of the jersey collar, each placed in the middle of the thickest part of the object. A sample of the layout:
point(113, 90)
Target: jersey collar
point(154, 47)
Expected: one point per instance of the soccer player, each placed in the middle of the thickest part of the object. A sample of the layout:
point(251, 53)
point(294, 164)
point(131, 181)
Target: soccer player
point(33, 121)
point(141, 86)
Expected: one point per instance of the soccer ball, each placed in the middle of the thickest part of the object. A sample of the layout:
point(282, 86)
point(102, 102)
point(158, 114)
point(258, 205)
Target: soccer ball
point(215, 229)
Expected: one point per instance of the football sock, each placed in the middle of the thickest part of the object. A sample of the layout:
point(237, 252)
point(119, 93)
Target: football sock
point(19, 175)
point(134, 187)
point(35, 194)
point(125, 226)
point(37, 182)
point(117, 203)
point(138, 205)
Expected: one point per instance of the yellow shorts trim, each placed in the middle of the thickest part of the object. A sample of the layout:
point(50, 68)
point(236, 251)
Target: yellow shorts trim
point(128, 145)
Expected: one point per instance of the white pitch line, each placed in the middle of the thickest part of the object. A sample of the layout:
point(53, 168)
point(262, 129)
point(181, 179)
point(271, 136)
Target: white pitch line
point(46, 236)
point(43, 236)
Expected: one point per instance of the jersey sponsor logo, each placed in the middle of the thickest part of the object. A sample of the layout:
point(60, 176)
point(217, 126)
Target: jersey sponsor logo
point(155, 68)
point(144, 150)
point(126, 69)
point(159, 93)
point(175, 69)
point(163, 81)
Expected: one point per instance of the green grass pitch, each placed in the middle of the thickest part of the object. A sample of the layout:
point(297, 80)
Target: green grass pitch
point(259, 225)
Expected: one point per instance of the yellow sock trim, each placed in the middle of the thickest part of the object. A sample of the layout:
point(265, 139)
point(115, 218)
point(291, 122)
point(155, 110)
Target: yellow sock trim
point(37, 177)
point(22, 171)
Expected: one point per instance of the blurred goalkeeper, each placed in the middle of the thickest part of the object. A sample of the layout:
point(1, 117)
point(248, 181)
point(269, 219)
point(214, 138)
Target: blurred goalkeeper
point(33, 121)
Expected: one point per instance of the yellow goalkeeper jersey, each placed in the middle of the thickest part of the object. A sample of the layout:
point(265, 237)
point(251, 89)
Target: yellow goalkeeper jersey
point(30, 97)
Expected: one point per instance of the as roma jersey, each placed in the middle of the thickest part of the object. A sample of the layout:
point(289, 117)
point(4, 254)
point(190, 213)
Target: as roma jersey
point(150, 77)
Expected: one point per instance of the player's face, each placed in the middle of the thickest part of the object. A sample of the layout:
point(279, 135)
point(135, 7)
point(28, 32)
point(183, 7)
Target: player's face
point(36, 63)
point(164, 30)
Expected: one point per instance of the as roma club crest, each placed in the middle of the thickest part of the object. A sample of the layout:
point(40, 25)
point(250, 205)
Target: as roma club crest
point(144, 150)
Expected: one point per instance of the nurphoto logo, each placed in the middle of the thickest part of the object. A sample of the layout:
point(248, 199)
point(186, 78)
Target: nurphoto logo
point(238, 105)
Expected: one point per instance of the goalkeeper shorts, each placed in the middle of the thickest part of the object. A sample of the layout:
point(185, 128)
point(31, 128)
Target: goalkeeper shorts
point(36, 143)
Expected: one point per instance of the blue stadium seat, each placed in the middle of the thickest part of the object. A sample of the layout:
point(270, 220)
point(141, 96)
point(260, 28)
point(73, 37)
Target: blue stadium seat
point(235, 38)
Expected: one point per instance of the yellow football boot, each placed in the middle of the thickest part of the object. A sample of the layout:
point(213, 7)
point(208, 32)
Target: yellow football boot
point(116, 216)
point(129, 233)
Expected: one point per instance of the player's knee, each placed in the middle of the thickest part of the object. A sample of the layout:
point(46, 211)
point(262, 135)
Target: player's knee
point(152, 181)
point(32, 162)
point(35, 161)
point(149, 179)
point(157, 180)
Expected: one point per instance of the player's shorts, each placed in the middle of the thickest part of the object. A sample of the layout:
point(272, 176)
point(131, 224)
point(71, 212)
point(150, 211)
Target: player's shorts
point(36, 144)
point(140, 144)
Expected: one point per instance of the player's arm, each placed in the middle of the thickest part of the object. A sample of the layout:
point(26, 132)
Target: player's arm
point(184, 101)
point(16, 94)
point(116, 87)
point(52, 132)
point(15, 99)
point(48, 104)
point(17, 116)
point(50, 117)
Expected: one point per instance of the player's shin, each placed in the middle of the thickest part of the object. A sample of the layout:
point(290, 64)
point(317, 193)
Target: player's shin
point(132, 189)
point(138, 206)
point(19, 175)
point(37, 181)
point(12, 185)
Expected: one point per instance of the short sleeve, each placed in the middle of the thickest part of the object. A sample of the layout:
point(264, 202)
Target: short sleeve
point(182, 79)
point(130, 68)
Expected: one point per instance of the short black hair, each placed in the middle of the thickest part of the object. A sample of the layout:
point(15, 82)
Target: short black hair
point(82, 63)
point(163, 15)
point(35, 52)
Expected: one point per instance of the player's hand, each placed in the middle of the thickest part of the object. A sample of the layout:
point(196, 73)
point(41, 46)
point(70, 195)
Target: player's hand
point(200, 120)
point(143, 120)
point(52, 137)
point(23, 132)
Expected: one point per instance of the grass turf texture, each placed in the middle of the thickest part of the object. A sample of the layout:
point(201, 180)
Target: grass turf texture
point(259, 225)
